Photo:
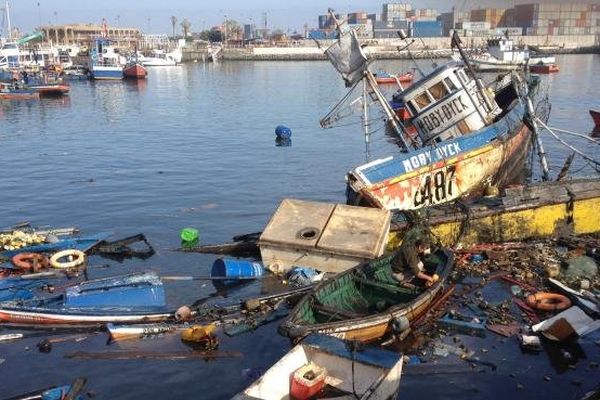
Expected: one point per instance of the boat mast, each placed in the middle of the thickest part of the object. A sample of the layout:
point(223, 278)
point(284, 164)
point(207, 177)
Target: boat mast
point(538, 140)
point(7, 11)
point(456, 42)
point(370, 80)
point(366, 120)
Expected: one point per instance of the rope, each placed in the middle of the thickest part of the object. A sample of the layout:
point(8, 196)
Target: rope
point(578, 135)
point(585, 156)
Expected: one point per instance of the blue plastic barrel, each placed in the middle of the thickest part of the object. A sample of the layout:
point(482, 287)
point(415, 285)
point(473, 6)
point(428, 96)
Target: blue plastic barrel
point(236, 268)
point(283, 132)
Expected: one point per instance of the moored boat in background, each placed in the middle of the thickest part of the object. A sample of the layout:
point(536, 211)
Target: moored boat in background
point(596, 117)
point(384, 77)
point(105, 62)
point(135, 70)
point(10, 91)
point(544, 68)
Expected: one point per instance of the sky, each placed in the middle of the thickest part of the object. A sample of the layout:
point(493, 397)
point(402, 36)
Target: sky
point(153, 16)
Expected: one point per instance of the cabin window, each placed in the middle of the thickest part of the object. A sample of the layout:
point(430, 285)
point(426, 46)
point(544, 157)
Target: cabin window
point(462, 76)
point(438, 90)
point(411, 108)
point(450, 85)
point(422, 100)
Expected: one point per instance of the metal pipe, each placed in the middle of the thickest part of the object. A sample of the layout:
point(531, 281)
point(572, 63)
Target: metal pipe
point(456, 41)
point(393, 118)
point(538, 140)
point(366, 120)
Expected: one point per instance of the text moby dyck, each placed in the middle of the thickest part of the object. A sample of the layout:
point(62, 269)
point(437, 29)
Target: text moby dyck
point(425, 157)
point(442, 114)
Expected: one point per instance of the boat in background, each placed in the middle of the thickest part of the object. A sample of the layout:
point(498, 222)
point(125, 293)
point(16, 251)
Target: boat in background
point(76, 73)
point(366, 302)
point(383, 77)
point(502, 55)
point(544, 68)
point(370, 373)
point(596, 117)
point(10, 91)
point(160, 58)
point(105, 61)
point(135, 70)
point(51, 89)
point(129, 299)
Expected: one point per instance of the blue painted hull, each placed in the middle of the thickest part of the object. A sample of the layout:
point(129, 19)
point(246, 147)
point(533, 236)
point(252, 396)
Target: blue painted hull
point(106, 74)
point(12, 289)
point(449, 170)
point(129, 299)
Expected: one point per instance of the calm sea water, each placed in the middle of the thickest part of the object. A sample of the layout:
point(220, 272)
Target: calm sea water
point(194, 146)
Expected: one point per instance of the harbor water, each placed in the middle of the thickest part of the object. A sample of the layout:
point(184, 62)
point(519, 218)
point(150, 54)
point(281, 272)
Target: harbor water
point(194, 146)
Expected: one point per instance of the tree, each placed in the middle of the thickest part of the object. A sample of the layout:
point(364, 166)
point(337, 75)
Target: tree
point(232, 30)
point(173, 23)
point(278, 36)
point(186, 25)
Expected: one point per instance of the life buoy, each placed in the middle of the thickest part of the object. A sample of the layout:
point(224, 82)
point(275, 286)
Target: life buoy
point(76, 258)
point(30, 261)
point(546, 301)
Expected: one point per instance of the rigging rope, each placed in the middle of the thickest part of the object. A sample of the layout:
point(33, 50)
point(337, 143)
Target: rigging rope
point(585, 156)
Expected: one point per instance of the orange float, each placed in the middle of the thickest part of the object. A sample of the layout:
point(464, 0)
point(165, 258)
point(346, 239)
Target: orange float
point(30, 261)
point(546, 301)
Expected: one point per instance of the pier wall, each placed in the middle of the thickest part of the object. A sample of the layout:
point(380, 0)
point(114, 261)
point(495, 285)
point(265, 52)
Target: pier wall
point(387, 48)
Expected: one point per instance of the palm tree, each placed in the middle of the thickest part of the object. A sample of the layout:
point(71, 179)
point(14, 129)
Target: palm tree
point(186, 25)
point(173, 23)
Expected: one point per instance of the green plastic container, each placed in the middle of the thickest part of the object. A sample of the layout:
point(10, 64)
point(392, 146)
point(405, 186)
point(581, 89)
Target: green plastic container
point(189, 234)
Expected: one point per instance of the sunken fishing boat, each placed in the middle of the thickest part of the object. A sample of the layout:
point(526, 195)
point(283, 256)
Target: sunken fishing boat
point(129, 299)
point(457, 136)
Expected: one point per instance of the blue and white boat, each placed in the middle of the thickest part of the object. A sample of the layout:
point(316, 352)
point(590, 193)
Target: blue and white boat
point(105, 61)
point(130, 299)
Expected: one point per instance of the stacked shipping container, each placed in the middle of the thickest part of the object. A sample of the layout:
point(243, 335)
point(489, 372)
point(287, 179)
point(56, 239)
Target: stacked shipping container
point(559, 19)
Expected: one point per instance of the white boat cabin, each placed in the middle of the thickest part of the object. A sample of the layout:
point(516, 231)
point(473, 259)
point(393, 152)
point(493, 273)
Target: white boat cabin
point(446, 104)
point(503, 49)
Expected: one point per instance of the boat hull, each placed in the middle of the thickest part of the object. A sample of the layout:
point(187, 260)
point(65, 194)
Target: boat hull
point(106, 73)
point(524, 212)
point(361, 328)
point(596, 117)
point(134, 298)
point(135, 71)
point(51, 90)
point(374, 373)
point(20, 95)
point(44, 317)
point(459, 168)
point(405, 78)
point(544, 68)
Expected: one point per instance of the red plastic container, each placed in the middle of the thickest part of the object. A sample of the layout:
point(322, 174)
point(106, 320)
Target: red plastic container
point(307, 381)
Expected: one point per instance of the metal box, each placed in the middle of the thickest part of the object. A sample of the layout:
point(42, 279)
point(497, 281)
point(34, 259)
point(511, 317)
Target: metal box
point(325, 236)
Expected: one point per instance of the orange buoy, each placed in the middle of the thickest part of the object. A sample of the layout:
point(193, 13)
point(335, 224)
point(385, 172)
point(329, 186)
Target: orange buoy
point(30, 261)
point(546, 301)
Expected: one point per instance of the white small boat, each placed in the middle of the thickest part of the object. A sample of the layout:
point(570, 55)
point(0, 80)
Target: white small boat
point(368, 374)
point(160, 58)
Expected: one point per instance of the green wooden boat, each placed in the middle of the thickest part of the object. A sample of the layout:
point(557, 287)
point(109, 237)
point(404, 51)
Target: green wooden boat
point(364, 302)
